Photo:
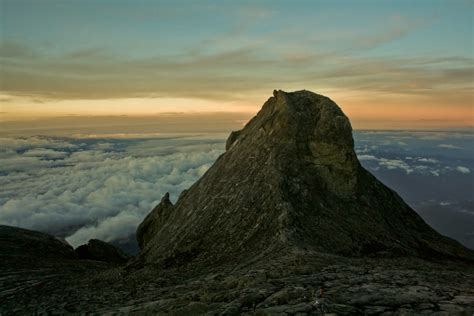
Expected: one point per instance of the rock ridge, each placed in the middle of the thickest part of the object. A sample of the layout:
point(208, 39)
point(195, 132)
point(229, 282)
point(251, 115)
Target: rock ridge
point(289, 180)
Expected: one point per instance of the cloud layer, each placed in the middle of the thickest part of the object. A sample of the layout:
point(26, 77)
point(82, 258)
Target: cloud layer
point(231, 74)
point(422, 153)
point(92, 191)
point(90, 187)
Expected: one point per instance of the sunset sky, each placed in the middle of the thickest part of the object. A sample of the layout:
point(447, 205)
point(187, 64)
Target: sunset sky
point(388, 64)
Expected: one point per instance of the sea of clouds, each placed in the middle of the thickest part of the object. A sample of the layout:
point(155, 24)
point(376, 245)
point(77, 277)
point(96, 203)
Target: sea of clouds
point(424, 153)
point(93, 187)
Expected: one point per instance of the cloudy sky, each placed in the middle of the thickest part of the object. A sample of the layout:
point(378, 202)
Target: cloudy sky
point(389, 64)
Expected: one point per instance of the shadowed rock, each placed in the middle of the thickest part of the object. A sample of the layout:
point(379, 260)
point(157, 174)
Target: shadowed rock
point(101, 251)
point(152, 221)
point(289, 180)
point(17, 243)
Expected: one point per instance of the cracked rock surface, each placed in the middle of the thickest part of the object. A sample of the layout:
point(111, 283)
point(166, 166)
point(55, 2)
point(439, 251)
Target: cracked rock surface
point(281, 285)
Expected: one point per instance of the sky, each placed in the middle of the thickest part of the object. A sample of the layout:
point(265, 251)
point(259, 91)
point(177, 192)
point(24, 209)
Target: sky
point(388, 64)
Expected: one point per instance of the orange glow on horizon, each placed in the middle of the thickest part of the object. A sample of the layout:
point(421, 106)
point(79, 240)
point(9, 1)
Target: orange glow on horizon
point(374, 112)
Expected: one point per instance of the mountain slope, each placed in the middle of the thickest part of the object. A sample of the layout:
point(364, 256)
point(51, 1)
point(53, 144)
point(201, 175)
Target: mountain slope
point(290, 179)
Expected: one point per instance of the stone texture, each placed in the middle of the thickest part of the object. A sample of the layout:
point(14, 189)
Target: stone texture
point(287, 289)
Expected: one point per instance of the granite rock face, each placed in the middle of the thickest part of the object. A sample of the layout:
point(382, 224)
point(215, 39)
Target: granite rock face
point(101, 251)
point(289, 180)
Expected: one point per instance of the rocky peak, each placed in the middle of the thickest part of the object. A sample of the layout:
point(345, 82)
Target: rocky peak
point(155, 219)
point(290, 179)
point(165, 200)
point(309, 126)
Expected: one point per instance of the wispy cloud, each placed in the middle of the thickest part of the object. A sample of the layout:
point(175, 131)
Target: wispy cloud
point(462, 169)
point(15, 49)
point(396, 26)
point(231, 74)
point(449, 146)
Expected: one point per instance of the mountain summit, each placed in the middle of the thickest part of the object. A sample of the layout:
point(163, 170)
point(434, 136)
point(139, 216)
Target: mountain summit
point(289, 180)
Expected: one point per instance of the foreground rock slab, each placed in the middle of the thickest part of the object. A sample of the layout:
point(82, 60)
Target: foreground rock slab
point(282, 286)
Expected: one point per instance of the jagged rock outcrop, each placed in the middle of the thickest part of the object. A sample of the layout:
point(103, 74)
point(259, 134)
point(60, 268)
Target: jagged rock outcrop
point(148, 228)
point(101, 251)
point(290, 179)
point(17, 243)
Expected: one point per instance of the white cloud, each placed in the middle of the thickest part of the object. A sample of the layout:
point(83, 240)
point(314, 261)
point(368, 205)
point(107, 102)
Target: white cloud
point(435, 173)
point(449, 146)
point(462, 169)
point(20, 164)
point(45, 153)
point(22, 144)
point(367, 157)
point(107, 229)
point(395, 164)
point(103, 146)
point(428, 160)
point(92, 193)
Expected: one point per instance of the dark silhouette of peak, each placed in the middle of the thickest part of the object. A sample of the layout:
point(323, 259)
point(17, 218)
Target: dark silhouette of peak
point(290, 179)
